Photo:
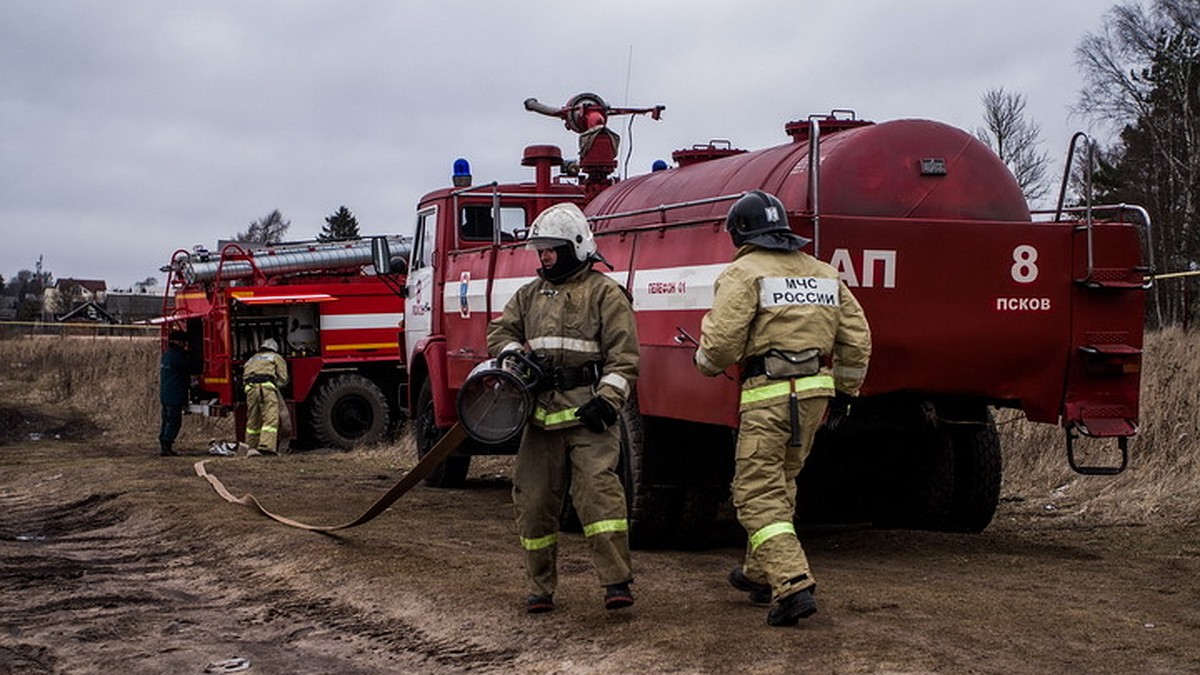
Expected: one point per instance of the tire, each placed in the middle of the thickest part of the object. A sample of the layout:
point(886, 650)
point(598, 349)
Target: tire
point(977, 474)
point(834, 484)
point(676, 477)
point(649, 517)
point(349, 410)
point(915, 484)
point(698, 509)
point(452, 473)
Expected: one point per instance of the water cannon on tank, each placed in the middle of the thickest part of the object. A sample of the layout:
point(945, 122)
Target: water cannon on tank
point(587, 115)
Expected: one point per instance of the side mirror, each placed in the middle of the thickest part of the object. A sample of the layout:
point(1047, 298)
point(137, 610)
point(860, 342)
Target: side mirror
point(380, 256)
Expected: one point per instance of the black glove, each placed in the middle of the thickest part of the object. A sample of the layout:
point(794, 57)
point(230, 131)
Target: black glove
point(838, 411)
point(597, 414)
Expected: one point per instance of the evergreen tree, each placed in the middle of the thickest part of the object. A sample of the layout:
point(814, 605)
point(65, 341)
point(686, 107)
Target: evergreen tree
point(340, 226)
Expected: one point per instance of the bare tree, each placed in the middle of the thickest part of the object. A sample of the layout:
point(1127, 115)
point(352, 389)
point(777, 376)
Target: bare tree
point(1016, 139)
point(266, 230)
point(1142, 77)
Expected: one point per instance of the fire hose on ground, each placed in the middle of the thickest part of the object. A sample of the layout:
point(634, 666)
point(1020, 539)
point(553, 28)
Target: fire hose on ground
point(436, 455)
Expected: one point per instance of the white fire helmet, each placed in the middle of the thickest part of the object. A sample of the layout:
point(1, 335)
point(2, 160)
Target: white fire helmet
point(271, 344)
point(563, 223)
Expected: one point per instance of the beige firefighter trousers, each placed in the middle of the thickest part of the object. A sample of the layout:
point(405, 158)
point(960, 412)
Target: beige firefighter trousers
point(262, 417)
point(539, 481)
point(764, 492)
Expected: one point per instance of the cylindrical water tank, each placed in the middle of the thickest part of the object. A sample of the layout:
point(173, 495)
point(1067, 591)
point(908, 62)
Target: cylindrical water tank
point(291, 259)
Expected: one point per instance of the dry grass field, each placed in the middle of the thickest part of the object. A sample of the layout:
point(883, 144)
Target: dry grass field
point(110, 382)
point(111, 385)
point(1164, 475)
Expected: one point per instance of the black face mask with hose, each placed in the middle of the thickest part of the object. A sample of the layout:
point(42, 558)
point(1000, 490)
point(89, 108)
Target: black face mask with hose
point(497, 398)
point(498, 395)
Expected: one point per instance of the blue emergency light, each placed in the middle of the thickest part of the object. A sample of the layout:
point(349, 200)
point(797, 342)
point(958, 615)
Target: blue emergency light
point(462, 173)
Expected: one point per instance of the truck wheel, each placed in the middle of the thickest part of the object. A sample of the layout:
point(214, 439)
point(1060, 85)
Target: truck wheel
point(698, 509)
point(915, 481)
point(450, 473)
point(977, 475)
point(699, 458)
point(349, 410)
point(649, 520)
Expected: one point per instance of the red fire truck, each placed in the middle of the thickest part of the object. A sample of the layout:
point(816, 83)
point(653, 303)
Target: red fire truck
point(975, 303)
point(335, 320)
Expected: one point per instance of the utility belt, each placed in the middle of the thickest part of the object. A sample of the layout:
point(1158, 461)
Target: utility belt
point(565, 378)
point(778, 364)
point(259, 379)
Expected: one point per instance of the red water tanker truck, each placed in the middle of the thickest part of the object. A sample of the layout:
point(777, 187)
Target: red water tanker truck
point(976, 304)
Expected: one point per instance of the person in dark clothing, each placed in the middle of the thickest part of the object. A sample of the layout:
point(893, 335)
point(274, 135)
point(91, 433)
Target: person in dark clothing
point(174, 377)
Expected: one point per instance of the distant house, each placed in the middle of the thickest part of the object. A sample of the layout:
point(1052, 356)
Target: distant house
point(92, 289)
point(68, 294)
point(89, 312)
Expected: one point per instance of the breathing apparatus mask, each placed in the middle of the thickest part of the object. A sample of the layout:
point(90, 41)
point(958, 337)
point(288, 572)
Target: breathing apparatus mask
point(498, 395)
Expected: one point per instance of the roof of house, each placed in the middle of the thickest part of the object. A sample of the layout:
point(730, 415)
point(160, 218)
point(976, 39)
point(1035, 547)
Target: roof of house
point(92, 285)
point(88, 311)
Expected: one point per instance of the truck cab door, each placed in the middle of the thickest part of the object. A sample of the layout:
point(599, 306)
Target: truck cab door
point(486, 230)
point(421, 285)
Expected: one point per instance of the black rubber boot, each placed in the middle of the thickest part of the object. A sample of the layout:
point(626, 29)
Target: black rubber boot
point(760, 594)
point(788, 610)
point(539, 604)
point(617, 596)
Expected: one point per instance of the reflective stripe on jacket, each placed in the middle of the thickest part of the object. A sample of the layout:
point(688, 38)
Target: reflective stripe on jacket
point(586, 318)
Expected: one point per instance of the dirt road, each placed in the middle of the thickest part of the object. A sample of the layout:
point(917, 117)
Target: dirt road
point(115, 560)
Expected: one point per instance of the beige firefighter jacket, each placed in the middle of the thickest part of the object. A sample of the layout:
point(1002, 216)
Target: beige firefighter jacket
point(268, 363)
point(791, 301)
point(588, 317)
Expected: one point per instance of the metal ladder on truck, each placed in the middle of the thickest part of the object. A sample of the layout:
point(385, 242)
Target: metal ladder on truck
point(1111, 271)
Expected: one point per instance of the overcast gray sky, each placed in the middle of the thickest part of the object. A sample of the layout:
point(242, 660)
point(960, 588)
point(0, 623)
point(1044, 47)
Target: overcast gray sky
point(130, 129)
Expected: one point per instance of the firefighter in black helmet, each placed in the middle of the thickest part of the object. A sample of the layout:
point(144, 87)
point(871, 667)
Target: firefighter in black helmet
point(579, 325)
point(804, 318)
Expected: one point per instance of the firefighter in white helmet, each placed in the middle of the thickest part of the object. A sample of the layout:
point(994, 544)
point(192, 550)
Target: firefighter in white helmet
point(578, 325)
point(263, 376)
point(783, 316)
